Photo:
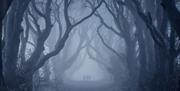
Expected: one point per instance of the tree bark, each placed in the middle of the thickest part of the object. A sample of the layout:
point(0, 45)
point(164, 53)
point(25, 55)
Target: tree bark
point(3, 9)
point(173, 14)
point(12, 35)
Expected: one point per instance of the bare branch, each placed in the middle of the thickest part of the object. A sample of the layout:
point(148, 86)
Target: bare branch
point(110, 11)
point(35, 22)
point(37, 55)
point(93, 11)
point(61, 43)
point(102, 20)
point(106, 25)
point(116, 53)
point(29, 42)
point(24, 38)
point(66, 15)
point(97, 60)
point(36, 9)
point(156, 35)
point(98, 52)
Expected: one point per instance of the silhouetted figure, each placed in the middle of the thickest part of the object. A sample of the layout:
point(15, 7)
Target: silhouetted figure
point(87, 78)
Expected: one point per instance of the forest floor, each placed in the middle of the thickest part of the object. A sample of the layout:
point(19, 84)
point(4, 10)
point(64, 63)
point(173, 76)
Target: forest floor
point(79, 87)
point(82, 86)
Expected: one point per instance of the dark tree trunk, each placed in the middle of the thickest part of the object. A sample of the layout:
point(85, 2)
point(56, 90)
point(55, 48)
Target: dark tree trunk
point(4, 5)
point(173, 14)
point(2, 83)
point(11, 52)
point(171, 64)
point(12, 41)
point(131, 62)
point(142, 80)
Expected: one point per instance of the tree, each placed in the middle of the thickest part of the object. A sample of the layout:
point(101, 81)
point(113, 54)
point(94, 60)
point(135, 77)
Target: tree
point(124, 31)
point(4, 7)
point(37, 59)
point(172, 13)
point(164, 43)
point(14, 33)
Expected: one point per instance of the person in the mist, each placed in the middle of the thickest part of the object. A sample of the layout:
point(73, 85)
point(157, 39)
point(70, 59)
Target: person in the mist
point(87, 78)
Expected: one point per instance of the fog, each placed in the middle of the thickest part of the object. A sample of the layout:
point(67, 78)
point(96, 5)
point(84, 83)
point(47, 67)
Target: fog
point(91, 45)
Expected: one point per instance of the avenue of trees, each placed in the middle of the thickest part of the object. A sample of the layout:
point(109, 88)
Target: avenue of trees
point(136, 41)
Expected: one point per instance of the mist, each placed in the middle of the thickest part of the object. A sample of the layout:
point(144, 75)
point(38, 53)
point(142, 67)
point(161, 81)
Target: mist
point(90, 45)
